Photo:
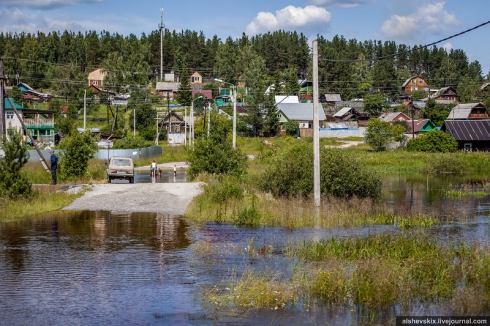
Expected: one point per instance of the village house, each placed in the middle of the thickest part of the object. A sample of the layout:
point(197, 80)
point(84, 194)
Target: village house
point(394, 116)
point(469, 111)
point(415, 83)
point(96, 77)
point(471, 135)
point(300, 112)
point(39, 123)
point(446, 95)
point(31, 95)
point(168, 90)
point(196, 78)
point(420, 126)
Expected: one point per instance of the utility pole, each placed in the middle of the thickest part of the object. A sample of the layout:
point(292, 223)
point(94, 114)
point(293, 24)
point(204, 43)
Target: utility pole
point(316, 129)
point(161, 26)
point(85, 111)
point(3, 125)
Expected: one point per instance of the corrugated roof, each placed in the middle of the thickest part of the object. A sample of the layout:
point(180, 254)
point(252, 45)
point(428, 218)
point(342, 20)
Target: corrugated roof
point(389, 117)
point(468, 129)
point(300, 111)
point(163, 86)
point(342, 112)
point(417, 124)
point(462, 111)
point(7, 105)
point(333, 98)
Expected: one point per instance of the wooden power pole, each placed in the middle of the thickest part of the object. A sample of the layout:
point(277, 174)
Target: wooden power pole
point(316, 129)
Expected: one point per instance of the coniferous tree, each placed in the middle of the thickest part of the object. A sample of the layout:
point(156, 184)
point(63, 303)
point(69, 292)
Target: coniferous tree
point(184, 94)
point(13, 182)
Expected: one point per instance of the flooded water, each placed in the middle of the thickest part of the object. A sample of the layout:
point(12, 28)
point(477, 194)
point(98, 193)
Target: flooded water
point(102, 268)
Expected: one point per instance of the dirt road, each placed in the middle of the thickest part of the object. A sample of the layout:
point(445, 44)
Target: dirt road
point(167, 198)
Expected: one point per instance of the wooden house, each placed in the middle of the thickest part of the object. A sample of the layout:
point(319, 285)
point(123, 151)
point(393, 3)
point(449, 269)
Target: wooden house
point(168, 90)
point(469, 111)
point(394, 116)
point(172, 122)
point(471, 135)
point(446, 95)
point(196, 78)
point(96, 77)
point(415, 83)
point(31, 95)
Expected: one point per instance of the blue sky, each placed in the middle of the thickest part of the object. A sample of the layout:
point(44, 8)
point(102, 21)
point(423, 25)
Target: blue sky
point(412, 22)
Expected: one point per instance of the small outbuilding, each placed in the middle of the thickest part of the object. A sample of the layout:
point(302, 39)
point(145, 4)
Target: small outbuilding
point(471, 135)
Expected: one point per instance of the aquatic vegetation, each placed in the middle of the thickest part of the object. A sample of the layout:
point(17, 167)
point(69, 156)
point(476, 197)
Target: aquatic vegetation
point(375, 272)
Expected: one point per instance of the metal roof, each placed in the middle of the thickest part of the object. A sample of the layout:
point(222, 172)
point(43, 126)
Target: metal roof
point(462, 111)
point(342, 112)
point(468, 129)
point(333, 98)
point(300, 111)
point(389, 117)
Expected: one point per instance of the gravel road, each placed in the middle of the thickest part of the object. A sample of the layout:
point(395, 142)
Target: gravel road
point(166, 198)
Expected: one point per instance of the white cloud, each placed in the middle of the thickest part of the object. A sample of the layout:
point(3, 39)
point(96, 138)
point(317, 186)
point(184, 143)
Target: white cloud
point(430, 19)
point(447, 46)
point(337, 3)
point(290, 18)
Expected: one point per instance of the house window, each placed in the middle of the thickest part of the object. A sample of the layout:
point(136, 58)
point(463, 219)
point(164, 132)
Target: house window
point(468, 146)
point(414, 81)
point(96, 82)
point(414, 88)
point(446, 98)
point(421, 81)
point(10, 115)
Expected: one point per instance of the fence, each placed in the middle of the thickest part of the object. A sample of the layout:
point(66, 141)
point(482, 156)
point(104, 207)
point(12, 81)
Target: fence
point(105, 154)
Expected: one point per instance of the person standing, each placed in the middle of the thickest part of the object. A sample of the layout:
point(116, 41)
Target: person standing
point(153, 169)
point(175, 170)
point(54, 167)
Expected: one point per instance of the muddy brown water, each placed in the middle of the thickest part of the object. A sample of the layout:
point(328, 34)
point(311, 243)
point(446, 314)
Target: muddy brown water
point(103, 268)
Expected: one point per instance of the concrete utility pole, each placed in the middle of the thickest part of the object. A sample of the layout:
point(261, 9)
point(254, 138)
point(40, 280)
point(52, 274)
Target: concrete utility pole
point(161, 26)
point(85, 111)
point(3, 125)
point(316, 129)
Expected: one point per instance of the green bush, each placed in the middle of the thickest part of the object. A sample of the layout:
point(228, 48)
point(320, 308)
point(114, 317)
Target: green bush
point(378, 134)
point(433, 141)
point(215, 155)
point(13, 183)
point(341, 174)
point(77, 148)
point(219, 191)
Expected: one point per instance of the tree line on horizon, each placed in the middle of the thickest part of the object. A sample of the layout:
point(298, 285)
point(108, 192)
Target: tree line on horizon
point(59, 62)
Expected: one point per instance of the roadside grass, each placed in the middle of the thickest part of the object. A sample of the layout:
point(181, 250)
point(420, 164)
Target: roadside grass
point(46, 201)
point(96, 173)
point(375, 272)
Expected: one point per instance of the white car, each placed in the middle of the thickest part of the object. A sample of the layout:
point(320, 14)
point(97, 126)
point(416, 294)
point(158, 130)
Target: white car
point(121, 168)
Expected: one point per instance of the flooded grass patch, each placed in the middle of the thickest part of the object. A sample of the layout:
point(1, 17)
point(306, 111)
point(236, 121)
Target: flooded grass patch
point(226, 203)
point(372, 273)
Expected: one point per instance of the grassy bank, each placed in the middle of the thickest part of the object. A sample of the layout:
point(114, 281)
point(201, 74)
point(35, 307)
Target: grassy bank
point(46, 201)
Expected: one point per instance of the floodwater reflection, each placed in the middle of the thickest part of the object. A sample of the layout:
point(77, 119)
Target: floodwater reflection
point(104, 268)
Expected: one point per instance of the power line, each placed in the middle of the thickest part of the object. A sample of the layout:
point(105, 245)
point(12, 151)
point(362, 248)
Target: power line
point(414, 49)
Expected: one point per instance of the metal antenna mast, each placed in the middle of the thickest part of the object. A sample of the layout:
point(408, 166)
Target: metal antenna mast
point(161, 26)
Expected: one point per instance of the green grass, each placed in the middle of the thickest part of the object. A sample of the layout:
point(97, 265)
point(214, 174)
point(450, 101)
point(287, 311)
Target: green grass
point(47, 201)
point(376, 272)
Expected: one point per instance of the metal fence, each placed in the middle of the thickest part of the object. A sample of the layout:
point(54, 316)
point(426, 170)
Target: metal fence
point(105, 154)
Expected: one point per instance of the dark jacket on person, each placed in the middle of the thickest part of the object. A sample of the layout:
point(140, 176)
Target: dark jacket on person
point(54, 162)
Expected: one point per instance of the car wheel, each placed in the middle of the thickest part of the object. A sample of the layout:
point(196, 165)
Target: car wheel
point(110, 180)
point(131, 180)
